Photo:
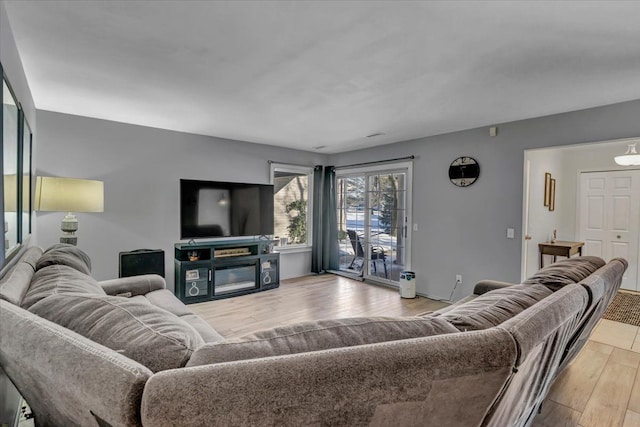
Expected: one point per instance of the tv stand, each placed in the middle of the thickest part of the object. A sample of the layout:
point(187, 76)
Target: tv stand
point(212, 270)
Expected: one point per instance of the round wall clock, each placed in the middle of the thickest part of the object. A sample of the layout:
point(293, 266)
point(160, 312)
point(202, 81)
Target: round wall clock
point(464, 171)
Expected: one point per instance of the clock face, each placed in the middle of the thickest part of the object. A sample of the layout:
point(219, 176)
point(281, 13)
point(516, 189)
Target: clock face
point(464, 171)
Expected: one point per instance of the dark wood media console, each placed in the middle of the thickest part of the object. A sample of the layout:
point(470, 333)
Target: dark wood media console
point(221, 269)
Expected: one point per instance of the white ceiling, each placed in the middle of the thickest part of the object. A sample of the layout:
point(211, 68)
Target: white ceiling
point(308, 74)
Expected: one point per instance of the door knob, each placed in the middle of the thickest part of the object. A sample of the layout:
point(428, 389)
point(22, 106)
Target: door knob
point(527, 237)
point(618, 236)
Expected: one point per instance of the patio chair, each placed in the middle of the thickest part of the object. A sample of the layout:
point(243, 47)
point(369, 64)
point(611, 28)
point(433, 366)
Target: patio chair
point(377, 253)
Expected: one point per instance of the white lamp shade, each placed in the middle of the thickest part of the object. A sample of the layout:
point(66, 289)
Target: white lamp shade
point(55, 194)
point(630, 158)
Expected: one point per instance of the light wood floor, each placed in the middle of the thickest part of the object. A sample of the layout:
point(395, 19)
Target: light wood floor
point(307, 298)
point(601, 387)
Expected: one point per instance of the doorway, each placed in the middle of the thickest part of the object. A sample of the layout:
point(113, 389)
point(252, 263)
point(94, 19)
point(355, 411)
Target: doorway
point(609, 218)
point(373, 210)
point(610, 211)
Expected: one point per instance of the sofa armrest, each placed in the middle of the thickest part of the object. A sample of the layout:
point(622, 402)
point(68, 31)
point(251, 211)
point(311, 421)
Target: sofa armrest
point(134, 285)
point(484, 286)
point(67, 378)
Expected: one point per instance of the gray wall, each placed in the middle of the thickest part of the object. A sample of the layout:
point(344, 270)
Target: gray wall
point(141, 168)
point(542, 221)
point(13, 68)
point(463, 230)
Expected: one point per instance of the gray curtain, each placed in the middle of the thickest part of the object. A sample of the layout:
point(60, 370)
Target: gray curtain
point(330, 256)
point(316, 230)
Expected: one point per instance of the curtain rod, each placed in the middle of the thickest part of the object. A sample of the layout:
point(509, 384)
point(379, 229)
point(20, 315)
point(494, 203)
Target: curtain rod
point(375, 162)
point(288, 164)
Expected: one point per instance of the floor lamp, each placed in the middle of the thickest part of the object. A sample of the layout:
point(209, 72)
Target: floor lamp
point(56, 194)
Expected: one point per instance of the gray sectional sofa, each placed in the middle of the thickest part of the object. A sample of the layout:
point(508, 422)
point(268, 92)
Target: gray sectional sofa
point(126, 352)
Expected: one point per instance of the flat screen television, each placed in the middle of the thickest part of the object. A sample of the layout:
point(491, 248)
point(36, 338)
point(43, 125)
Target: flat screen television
point(225, 209)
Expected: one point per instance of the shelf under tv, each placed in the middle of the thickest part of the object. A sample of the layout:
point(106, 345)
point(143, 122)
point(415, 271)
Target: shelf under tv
point(225, 268)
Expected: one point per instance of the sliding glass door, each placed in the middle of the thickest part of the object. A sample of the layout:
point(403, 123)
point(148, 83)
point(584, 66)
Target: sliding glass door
point(373, 213)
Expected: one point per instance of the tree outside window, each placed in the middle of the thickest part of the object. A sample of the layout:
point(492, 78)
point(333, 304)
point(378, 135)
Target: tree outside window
point(292, 193)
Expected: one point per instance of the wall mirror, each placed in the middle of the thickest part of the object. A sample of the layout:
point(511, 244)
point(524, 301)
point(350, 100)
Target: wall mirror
point(17, 178)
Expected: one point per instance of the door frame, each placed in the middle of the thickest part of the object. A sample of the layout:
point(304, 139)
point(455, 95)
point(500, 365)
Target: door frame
point(526, 200)
point(387, 167)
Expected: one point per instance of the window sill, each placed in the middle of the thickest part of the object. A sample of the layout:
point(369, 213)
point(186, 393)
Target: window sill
point(292, 249)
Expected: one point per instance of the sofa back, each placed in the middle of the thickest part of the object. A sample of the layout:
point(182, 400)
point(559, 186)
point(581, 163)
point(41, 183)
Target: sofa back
point(67, 379)
point(432, 381)
point(541, 333)
point(602, 287)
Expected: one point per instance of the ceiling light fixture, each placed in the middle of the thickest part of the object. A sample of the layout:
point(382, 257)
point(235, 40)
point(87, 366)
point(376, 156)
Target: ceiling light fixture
point(630, 158)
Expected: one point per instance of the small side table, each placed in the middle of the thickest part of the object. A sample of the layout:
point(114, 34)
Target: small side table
point(559, 248)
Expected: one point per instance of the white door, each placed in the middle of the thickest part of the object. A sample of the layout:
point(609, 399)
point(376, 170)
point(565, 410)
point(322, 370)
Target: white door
point(609, 218)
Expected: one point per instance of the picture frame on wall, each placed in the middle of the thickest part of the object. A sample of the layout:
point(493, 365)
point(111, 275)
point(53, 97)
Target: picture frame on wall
point(552, 195)
point(547, 188)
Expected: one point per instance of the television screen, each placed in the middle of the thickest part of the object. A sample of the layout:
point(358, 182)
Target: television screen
point(221, 209)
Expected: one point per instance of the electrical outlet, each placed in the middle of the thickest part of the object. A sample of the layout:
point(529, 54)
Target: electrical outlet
point(458, 278)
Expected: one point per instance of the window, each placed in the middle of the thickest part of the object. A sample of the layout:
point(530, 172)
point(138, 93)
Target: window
point(292, 204)
point(373, 210)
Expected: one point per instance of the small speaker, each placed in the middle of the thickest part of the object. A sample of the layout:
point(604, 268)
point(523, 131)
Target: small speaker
point(196, 288)
point(269, 272)
point(141, 261)
point(196, 282)
point(266, 278)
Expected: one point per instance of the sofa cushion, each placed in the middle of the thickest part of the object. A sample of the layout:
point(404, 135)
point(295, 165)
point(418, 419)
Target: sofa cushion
point(494, 307)
point(566, 272)
point(64, 254)
point(208, 334)
point(147, 334)
point(449, 307)
point(320, 335)
point(59, 279)
point(166, 300)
